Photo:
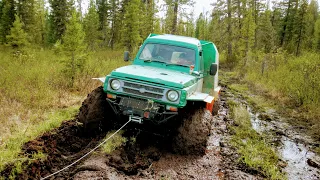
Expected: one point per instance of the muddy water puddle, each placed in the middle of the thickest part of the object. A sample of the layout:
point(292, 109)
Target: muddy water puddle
point(292, 149)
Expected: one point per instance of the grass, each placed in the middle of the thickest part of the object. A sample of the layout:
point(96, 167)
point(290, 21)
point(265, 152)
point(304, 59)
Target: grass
point(255, 152)
point(293, 82)
point(116, 141)
point(11, 147)
point(263, 94)
point(35, 97)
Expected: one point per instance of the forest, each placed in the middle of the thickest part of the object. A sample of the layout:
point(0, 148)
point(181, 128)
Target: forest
point(50, 50)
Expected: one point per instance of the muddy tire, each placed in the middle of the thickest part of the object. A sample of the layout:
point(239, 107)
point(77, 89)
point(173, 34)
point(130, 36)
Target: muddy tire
point(193, 134)
point(95, 112)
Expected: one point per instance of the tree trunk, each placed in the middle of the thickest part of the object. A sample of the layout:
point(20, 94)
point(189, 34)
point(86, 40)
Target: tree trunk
point(229, 32)
point(175, 16)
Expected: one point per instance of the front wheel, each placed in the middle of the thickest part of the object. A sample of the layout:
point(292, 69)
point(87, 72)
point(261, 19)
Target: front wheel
point(193, 133)
point(95, 112)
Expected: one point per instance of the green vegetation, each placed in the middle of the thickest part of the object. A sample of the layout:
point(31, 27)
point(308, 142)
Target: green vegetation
point(34, 94)
point(11, 146)
point(252, 147)
point(116, 141)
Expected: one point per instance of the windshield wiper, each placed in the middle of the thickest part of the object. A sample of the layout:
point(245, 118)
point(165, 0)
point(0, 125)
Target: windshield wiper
point(152, 60)
point(172, 64)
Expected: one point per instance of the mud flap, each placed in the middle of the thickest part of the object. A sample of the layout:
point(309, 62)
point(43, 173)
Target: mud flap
point(209, 103)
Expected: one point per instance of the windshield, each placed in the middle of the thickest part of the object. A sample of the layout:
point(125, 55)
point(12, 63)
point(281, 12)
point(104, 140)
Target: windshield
point(168, 54)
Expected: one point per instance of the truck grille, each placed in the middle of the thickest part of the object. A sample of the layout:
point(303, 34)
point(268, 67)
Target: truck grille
point(143, 90)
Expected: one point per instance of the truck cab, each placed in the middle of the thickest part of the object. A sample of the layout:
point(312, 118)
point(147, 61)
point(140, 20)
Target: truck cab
point(168, 73)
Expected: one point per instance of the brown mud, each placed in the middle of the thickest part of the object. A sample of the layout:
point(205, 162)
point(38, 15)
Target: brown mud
point(147, 157)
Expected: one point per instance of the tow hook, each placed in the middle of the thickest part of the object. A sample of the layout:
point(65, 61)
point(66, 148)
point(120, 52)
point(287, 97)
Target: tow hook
point(136, 119)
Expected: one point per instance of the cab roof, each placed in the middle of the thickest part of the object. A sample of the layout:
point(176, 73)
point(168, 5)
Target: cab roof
point(169, 37)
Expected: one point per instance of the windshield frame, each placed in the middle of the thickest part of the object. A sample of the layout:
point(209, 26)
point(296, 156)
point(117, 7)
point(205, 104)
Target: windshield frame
point(168, 61)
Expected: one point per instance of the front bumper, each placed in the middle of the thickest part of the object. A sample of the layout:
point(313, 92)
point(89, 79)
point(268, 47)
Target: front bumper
point(140, 110)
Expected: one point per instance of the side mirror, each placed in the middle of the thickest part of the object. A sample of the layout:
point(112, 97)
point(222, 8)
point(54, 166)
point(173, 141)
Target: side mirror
point(126, 56)
point(213, 69)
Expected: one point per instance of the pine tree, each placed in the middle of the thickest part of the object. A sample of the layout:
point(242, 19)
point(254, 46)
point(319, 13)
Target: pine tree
point(147, 18)
point(7, 18)
point(290, 8)
point(91, 27)
point(300, 26)
point(74, 47)
point(17, 37)
point(174, 7)
point(39, 26)
point(190, 25)
point(103, 11)
point(200, 25)
point(230, 59)
point(249, 30)
point(266, 34)
point(311, 18)
point(316, 41)
point(49, 36)
point(26, 11)
point(60, 14)
point(1, 7)
point(218, 25)
point(157, 26)
point(115, 22)
point(130, 33)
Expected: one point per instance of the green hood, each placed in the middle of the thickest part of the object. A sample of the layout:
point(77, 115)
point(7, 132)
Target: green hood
point(157, 75)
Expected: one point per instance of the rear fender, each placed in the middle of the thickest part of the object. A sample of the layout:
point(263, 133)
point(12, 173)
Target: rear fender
point(207, 98)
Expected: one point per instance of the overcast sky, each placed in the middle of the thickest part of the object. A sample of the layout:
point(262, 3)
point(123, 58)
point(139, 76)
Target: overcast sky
point(200, 6)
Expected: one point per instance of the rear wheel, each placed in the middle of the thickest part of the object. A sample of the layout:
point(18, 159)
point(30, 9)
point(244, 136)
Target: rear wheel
point(193, 133)
point(95, 112)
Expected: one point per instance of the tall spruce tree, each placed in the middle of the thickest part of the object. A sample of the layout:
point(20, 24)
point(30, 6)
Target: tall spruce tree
point(39, 27)
point(115, 22)
point(290, 8)
point(312, 16)
point(74, 48)
point(218, 24)
point(60, 13)
point(1, 7)
point(26, 11)
point(316, 41)
point(266, 34)
point(190, 25)
point(91, 27)
point(103, 11)
point(300, 27)
point(174, 8)
point(130, 32)
point(17, 38)
point(230, 59)
point(147, 18)
point(7, 18)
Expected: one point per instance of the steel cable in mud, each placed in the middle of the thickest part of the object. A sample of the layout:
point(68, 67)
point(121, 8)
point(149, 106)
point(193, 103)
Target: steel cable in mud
point(87, 153)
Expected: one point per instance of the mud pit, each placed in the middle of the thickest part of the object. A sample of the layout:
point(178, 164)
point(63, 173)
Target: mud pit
point(149, 157)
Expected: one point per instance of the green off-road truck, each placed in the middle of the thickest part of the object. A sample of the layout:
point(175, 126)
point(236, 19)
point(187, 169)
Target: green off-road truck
point(170, 77)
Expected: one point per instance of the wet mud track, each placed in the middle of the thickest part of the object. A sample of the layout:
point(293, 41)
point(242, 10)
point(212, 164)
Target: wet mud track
point(148, 157)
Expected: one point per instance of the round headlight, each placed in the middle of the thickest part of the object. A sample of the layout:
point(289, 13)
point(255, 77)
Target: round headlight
point(172, 95)
point(115, 84)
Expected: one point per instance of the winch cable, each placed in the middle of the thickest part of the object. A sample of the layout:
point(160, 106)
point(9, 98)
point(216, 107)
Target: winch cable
point(87, 153)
